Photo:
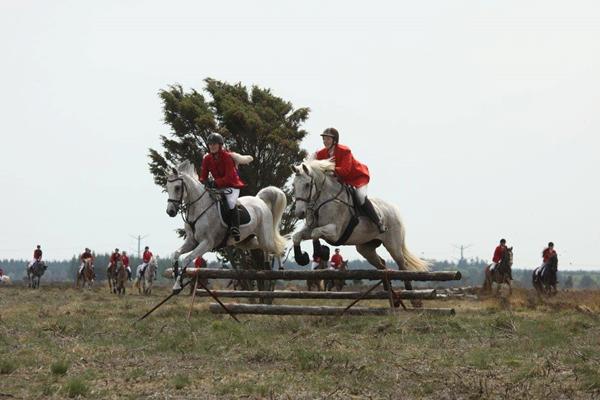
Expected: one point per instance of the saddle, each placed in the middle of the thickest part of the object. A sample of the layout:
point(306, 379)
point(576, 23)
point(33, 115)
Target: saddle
point(224, 213)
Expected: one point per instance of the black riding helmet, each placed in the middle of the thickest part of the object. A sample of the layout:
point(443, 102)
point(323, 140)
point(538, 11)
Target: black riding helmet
point(215, 138)
point(332, 133)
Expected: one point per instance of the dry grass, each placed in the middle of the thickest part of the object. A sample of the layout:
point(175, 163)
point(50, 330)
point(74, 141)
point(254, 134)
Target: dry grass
point(61, 343)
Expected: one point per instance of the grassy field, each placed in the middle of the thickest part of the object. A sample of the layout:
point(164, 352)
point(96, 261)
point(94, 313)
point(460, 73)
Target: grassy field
point(59, 343)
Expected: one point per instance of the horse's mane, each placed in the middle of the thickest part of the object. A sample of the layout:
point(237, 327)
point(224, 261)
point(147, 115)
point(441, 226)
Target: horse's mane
point(320, 166)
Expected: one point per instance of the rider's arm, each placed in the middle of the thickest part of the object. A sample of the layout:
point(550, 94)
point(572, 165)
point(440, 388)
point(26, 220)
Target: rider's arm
point(343, 163)
point(204, 169)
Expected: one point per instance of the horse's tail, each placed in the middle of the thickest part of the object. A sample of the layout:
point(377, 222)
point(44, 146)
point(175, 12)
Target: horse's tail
point(412, 262)
point(276, 201)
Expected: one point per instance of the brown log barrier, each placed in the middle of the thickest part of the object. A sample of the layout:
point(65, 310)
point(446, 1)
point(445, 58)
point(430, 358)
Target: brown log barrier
point(263, 309)
point(427, 294)
point(292, 275)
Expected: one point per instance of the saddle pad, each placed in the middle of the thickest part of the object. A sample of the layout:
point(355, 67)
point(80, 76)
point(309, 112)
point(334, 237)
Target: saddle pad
point(224, 213)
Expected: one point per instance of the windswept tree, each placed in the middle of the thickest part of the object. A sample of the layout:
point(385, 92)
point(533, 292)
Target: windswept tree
point(253, 121)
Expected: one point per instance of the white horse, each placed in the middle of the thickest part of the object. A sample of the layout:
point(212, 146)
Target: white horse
point(204, 228)
point(5, 280)
point(328, 207)
point(144, 278)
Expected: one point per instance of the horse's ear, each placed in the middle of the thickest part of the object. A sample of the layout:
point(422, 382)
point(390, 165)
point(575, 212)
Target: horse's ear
point(174, 170)
point(295, 170)
point(306, 170)
point(510, 248)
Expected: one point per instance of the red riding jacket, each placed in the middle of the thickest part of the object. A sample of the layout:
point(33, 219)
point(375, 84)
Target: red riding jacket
point(498, 253)
point(222, 167)
point(336, 261)
point(348, 169)
point(125, 260)
point(147, 256)
point(114, 257)
point(547, 254)
point(199, 262)
point(37, 254)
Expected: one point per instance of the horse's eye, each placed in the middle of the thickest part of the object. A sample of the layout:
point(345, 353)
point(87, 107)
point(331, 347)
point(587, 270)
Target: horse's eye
point(177, 188)
point(306, 185)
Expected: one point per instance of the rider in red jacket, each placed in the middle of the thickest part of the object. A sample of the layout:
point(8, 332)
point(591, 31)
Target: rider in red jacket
point(349, 171)
point(498, 254)
point(221, 166)
point(336, 259)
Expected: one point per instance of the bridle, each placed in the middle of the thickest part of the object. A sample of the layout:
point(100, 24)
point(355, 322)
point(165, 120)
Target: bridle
point(310, 203)
point(185, 208)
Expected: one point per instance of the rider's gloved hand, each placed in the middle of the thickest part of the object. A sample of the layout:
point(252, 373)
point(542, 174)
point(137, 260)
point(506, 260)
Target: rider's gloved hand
point(210, 184)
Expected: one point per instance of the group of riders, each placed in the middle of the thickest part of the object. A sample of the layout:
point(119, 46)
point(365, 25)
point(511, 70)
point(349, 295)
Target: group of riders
point(225, 176)
point(220, 164)
point(87, 258)
point(547, 254)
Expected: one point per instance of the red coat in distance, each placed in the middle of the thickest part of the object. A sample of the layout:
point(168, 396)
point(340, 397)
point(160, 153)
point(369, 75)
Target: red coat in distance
point(147, 256)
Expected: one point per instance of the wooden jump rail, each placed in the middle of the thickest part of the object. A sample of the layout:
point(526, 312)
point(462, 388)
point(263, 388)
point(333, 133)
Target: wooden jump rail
point(428, 294)
point(292, 275)
point(395, 298)
point(263, 309)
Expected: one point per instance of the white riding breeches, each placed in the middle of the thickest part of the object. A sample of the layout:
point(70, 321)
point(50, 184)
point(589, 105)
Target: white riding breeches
point(232, 194)
point(361, 194)
point(138, 271)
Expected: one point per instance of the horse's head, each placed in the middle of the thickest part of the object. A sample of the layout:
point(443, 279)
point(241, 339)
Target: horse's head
point(309, 180)
point(507, 257)
point(176, 187)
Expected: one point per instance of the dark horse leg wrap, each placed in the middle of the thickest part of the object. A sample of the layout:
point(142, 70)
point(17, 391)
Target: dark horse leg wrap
point(300, 256)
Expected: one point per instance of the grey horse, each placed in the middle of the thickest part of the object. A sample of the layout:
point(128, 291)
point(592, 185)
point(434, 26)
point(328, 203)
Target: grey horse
point(328, 207)
point(204, 227)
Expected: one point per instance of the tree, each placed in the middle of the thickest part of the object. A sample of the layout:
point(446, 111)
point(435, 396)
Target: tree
point(587, 282)
point(568, 282)
point(253, 121)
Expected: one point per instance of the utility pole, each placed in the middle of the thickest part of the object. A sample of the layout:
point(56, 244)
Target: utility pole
point(462, 251)
point(139, 243)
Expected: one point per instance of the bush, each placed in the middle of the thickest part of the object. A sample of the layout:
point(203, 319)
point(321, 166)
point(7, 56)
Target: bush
point(7, 366)
point(59, 367)
point(76, 387)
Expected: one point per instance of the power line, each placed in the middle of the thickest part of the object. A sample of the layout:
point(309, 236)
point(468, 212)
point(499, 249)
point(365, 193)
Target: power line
point(139, 243)
point(462, 250)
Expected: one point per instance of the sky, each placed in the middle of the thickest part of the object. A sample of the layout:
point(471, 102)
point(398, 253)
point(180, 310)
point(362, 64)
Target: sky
point(478, 119)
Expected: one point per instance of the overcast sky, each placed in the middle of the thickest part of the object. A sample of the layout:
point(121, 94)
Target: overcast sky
point(480, 120)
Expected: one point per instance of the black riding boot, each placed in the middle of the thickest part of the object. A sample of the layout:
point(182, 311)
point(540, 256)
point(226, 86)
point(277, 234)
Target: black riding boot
point(372, 214)
point(234, 221)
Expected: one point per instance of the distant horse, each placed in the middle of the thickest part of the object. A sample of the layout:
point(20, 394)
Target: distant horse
point(35, 272)
point(121, 274)
point(5, 280)
point(317, 284)
point(502, 273)
point(145, 277)
point(338, 284)
point(328, 208)
point(111, 276)
point(544, 277)
point(86, 276)
point(206, 230)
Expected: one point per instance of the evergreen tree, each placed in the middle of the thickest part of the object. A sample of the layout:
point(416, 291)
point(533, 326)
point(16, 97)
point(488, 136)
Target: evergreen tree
point(253, 122)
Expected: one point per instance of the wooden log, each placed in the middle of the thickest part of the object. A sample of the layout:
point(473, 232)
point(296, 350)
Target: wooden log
point(290, 275)
point(319, 310)
point(290, 294)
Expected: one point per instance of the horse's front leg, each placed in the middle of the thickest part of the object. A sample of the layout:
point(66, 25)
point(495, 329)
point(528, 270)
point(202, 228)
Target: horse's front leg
point(328, 232)
point(188, 245)
point(187, 259)
point(299, 256)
